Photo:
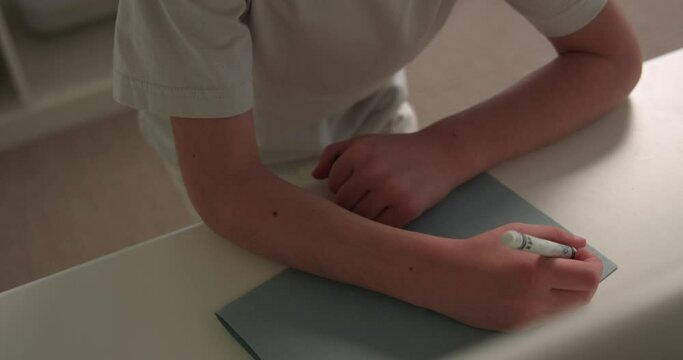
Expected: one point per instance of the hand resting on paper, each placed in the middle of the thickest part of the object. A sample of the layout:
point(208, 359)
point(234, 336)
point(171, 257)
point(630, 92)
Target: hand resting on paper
point(390, 178)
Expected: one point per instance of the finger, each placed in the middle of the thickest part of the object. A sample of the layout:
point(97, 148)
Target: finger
point(566, 274)
point(329, 156)
point(342, 170)
point(553, 233)
point(584, 254)
point(588, 257)
point(371, 205)
point(350, 193)
point(393, 216)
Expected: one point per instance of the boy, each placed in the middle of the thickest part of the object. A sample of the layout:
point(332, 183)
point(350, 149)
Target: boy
point(235, 87)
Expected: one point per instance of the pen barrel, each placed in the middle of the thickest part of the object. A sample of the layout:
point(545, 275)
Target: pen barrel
point(546, 248)
point(516, 240)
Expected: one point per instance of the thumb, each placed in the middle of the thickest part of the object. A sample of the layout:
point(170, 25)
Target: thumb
point(329, 156)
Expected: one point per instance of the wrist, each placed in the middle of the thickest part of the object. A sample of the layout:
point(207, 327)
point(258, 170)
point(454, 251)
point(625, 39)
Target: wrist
point(427, 272)
point(457, 147)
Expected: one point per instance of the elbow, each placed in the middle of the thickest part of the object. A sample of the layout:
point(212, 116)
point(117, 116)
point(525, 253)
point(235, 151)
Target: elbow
point(630, 70)
point(226, 206)
point(206, 210)
point(218, 206)
point(203, 200)
point(220, 213)
point(628, 65)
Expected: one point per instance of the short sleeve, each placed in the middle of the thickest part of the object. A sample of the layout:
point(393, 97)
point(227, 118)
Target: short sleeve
point(183, 58)
point(555, 18)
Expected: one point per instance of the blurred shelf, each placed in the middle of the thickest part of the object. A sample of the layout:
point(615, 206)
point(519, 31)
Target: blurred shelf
point(64, 78)
point(65, 64)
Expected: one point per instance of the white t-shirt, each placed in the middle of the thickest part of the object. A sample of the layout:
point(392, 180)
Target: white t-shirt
point(314, 71)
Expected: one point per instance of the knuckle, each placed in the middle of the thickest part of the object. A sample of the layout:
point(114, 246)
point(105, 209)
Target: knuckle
point(411, 208)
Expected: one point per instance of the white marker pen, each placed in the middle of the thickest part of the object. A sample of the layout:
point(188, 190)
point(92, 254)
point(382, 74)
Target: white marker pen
point(516, 240)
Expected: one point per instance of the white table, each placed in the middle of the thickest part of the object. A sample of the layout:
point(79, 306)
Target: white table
point(619, 183)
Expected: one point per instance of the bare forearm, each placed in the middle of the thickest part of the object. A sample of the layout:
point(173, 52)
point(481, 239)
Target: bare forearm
point(565, 95)
point(282, 222)
point(242, 201)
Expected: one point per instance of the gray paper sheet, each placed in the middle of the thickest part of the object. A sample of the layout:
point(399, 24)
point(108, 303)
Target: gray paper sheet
point(296, 315)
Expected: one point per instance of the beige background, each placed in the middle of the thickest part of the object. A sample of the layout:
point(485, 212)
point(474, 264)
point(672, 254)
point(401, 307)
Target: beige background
point(99, 188)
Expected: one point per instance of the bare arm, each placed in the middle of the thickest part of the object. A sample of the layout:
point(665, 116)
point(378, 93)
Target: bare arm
point(595, 69)
point(241, 201)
